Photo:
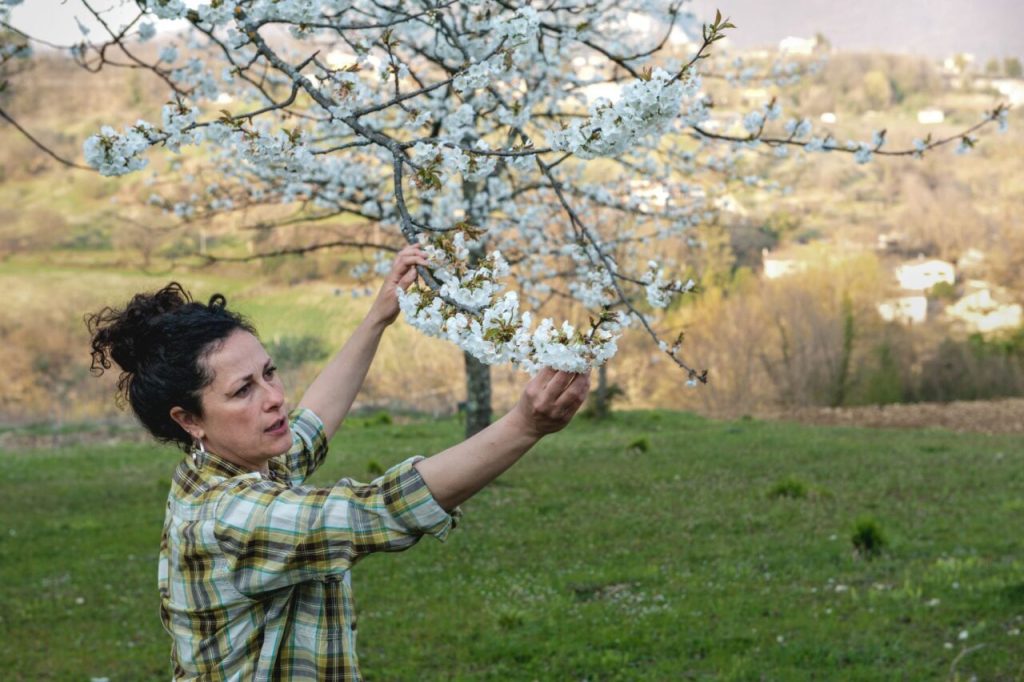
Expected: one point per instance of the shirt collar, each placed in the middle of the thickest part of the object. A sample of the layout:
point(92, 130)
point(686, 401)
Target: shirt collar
point(210, 463)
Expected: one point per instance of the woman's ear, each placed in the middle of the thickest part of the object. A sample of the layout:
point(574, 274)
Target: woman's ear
point(187, 421)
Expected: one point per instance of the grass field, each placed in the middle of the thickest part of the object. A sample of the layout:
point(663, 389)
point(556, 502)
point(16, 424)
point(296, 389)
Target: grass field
point(655, 546)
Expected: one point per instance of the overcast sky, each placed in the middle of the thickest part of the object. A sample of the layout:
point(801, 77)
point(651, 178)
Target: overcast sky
point(987, 28)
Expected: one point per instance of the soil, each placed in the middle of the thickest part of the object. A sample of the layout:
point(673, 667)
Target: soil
point(982, 416)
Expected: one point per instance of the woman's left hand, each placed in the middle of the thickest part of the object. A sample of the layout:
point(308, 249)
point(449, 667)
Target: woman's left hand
point(403, 273)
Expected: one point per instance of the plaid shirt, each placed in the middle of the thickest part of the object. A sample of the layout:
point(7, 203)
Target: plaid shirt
point(254, 569)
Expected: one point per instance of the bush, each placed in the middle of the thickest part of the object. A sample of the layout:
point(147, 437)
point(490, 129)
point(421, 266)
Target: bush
point(944, 290)
point(510, 617)
point(639, 445)
point(381, 418)
point(883, 384)
point(788, 487)
point(868, 539)
point(975, 369)
point(290, 352)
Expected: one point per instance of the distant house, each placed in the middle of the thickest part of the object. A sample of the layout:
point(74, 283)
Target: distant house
point(647, 195)
point(795, 46)
point(596, 91)
point(905, 309)
point(1010, 88)
point(971, 260)
point(930, 116)
point(889, 241)
point(594, 68)
point(921, 275)
point(754, 97)
point(983, 308)
point(958, 63)
point(336, 59)
point(776, 265)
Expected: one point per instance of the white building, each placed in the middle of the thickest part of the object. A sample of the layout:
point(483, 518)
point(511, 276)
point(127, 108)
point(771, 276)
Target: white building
point(958, 63)
point(904, 310)
point(754, 97)
point(981, 310)
point(971, 259)
point(803, 47)
point(888, 241)
point(647, 195)
point(922, 275)
point(775, 266)
point(1010, 88)
point(930, 116)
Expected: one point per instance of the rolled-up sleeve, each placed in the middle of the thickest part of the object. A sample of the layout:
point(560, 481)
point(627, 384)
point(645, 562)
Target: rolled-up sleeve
point(274, 535)
point(309, 445)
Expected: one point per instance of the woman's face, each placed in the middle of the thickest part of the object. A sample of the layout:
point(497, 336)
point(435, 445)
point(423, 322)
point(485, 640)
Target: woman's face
point(245, 418)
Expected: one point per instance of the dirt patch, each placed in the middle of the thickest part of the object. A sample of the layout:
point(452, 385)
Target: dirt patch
point(22, 440)
point(982, 416)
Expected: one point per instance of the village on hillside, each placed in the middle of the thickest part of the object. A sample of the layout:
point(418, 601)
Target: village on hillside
point(924, 289)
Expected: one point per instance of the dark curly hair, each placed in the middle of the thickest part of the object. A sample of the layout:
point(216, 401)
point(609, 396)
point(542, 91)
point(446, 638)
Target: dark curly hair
point(160, 341)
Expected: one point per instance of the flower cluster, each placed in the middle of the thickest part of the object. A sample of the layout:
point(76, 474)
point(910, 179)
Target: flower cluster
point(179, 124)
point(521, 27)
point(659, 290)
point(471, 311)
point(646, 107)
point(113, 153)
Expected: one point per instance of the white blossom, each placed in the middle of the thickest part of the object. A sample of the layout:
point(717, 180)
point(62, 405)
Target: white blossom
point(113, 153)
point(168, 54)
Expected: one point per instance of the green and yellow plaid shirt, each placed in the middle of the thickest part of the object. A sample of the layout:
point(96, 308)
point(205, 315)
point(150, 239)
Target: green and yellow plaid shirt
point(254, 569)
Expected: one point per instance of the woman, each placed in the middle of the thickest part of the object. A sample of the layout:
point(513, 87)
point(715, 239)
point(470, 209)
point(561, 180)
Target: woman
point(254, 566)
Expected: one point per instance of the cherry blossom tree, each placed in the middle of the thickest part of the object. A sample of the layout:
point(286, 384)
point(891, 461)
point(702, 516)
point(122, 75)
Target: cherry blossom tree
point(536, 150)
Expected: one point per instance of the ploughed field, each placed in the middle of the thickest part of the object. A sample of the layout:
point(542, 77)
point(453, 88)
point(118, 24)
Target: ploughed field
point(654, 546)
point(967, 416)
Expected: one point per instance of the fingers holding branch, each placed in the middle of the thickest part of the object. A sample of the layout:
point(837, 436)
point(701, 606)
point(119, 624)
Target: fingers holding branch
point(552, 398)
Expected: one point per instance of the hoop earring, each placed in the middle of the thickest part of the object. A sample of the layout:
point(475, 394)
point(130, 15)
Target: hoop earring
point(198, 450)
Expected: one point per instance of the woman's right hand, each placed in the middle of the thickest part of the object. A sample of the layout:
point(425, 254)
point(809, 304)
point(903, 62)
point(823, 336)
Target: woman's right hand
point(550, 400)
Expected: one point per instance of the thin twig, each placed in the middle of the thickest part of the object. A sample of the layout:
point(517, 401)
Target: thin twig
point(71, 164)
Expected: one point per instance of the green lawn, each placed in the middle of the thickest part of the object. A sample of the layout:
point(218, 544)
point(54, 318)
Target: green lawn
point(595, 558)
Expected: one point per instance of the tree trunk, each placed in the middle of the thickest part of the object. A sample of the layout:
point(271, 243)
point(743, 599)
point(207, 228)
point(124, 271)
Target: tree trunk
point(843, 375)
point(601, 407)
point(478, 395)
point(478, 375)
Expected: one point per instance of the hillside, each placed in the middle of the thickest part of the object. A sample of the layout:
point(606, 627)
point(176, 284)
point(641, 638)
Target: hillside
point(85, 241)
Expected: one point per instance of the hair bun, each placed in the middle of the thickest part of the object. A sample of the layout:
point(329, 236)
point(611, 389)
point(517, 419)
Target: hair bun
point(125, 336)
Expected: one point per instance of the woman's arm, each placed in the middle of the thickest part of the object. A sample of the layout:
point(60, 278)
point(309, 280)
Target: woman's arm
point(547, 404)
point(334, 390)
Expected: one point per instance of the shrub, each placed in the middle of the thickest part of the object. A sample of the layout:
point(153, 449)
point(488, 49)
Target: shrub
point(868, 539)
point(382, 418)
point(639, 445)
point(510, 617)
point(788, 487)
point(290, 352)
point(944, 291)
